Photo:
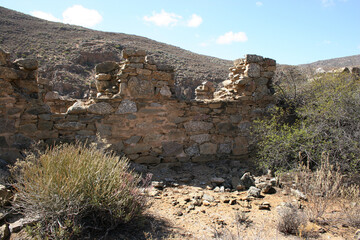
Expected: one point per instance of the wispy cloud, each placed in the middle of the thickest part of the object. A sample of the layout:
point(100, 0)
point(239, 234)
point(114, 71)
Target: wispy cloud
point(77, 15)
point(194, 21)
point(326, 42)
point(259, 4)
point(330, 3)
point(163, 19)
point(231, 37)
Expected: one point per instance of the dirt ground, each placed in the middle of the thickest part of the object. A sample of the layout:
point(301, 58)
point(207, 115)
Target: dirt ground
point(179, 209)
point(185, 203)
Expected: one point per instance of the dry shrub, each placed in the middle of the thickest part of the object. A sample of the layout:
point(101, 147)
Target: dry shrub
point(291, 219)
point(322, 187)
point(76, 190)
point(350, 205)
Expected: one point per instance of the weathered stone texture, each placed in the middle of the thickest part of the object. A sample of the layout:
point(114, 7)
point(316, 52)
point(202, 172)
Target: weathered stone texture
point(135, 112)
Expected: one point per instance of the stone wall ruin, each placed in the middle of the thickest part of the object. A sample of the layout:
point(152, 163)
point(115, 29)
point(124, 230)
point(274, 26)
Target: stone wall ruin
point(135, 109)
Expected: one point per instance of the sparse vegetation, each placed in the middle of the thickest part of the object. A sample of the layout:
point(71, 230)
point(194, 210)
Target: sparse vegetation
point(74, 190)
point(291, 219)
point(323, 117)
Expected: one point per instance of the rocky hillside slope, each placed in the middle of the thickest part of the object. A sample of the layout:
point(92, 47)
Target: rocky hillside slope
point(68, 54)
point(329, 64)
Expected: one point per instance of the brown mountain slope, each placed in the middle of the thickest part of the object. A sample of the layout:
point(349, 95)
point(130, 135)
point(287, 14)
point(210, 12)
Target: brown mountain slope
point(329, 64)
point(68, 54)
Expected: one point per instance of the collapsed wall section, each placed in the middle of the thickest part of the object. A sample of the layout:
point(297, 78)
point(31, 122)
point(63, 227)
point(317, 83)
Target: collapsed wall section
point(135, 110)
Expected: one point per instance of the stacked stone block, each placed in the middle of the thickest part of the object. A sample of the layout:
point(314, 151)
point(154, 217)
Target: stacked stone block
point(249, 78)
point(137, 77)
point(135, 112)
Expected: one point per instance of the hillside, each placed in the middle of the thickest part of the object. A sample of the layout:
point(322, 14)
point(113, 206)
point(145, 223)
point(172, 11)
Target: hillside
point(68, 54)
point(334, 63)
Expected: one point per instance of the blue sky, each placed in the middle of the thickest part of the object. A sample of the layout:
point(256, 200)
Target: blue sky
point(290, 31)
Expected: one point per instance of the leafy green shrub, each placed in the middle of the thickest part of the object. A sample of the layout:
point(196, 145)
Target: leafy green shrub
point(76, 190)
point(327, 119)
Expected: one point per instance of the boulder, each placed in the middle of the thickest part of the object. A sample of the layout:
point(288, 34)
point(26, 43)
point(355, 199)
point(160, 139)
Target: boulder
point(254, 192)
point(27, 64)
point(247, 180)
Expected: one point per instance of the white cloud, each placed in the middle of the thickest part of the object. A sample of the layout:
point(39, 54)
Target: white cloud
point(230, 37)
point(259, 4)
point(163, 19)
point(79, 15)
point(44, 15)
point(326, 42)
point(194, 21)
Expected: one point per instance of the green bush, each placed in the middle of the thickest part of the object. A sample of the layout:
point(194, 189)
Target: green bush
point(75, 190)
point(327, 119)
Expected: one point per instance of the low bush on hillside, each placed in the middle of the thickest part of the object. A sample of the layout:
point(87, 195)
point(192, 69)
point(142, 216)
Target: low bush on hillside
point(324, 117)
point(75, 190)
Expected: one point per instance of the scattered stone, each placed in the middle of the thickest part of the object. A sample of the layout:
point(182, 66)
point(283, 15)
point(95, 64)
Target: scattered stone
point(178, 213)
point(254, 192)
point(298, 194)
point(207, 197)
point(4, 232)
point(264, 206)
point(247, 180)
point(157, 184)
point(357, 235)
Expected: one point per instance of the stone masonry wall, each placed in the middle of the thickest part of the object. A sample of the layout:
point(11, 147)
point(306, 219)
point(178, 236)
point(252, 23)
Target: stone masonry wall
point(136, 111)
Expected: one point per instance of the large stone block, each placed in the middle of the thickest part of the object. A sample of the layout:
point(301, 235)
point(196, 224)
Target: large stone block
point(126, 106)
point(4, 57)
point(7, 126)
point(106, 67)
point(140, 88)
point(27, 64)
point(240, 146)
point(77, 108)
point(201, 138)
point(172, 148)
point(148, 160)
point(192, 150)
point(226, 128)
point(5, 88)
point(208, 148)
point(198, 126)
point(252, 70)
point(71, 126)
point(100, 108)
point(137, 148)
